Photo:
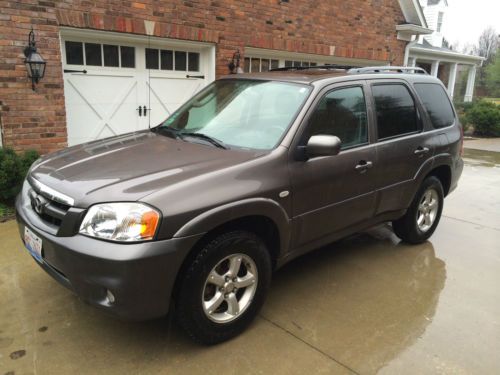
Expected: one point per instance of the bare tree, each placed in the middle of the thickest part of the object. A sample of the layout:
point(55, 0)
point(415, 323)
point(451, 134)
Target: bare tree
point(487, 45)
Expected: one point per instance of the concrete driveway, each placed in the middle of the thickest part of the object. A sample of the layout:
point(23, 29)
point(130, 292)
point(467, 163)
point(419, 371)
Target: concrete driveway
point(363, 305)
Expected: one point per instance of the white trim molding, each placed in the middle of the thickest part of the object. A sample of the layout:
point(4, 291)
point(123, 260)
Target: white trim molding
point(407, 31)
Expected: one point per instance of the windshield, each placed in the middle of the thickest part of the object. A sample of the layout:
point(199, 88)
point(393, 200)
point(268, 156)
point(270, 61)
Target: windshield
point(242, 113)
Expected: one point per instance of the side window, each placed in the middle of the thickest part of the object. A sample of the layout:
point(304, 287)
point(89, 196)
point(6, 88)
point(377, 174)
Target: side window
point(436, 103)
point(342, 113)
point(396, 112)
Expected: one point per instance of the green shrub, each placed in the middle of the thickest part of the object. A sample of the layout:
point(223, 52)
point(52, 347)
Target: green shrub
point(13, 169)
point(485, 118)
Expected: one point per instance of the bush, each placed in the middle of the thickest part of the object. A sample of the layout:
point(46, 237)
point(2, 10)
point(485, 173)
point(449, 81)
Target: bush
point(485, 118)
point(13, 169)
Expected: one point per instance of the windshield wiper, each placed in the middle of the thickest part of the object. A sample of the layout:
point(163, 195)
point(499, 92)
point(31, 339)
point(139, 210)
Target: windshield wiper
point(208, 138)
point(171, 132)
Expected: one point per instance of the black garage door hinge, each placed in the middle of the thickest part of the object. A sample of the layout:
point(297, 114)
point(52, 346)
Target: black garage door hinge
point(75, 71)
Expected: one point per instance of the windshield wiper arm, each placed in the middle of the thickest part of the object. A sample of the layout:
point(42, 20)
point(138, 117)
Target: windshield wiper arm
point(208, 138)
point(174, 133)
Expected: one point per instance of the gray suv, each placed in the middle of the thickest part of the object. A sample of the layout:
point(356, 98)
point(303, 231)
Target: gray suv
point(252, 172)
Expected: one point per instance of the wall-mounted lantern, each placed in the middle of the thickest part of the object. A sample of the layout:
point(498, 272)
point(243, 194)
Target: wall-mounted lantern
point(234, 65)
point(34, 62)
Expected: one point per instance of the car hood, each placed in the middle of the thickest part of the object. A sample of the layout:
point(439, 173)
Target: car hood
point(129, 167)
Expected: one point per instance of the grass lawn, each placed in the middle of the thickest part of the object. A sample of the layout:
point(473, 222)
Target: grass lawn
point(6, 212)
point(494, 100)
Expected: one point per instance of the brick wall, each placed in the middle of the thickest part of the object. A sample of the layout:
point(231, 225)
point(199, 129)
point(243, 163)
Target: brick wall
point(363, 29)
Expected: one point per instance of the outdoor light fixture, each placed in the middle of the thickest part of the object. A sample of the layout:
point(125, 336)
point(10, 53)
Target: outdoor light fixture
point(234, 65)
point(34, 62)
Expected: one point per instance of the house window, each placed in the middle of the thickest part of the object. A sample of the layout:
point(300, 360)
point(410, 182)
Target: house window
point(289, 63)
point(440, 21)
point(95, 54)
point(257, 64)
point(172, 60)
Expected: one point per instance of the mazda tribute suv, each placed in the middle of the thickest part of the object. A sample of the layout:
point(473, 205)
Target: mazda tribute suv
point(194, 215)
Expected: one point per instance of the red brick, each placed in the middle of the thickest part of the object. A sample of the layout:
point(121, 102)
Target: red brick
point(356, 28)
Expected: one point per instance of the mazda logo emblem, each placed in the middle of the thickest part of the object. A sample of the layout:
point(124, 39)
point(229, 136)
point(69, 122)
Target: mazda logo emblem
point(39, 204)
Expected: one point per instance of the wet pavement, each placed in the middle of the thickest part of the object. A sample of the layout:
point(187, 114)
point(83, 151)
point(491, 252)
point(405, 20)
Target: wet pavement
point(366, 304)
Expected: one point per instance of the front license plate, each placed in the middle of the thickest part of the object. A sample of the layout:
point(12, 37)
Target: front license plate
point(33, 244)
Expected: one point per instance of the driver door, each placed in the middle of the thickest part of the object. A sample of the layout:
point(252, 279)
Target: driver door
point(331, 193)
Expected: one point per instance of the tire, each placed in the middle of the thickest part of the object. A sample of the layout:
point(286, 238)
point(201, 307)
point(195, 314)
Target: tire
point(212, 323)
point(407, 227)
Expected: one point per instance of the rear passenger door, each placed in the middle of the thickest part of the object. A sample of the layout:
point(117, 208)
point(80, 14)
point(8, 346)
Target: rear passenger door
point(403, 145)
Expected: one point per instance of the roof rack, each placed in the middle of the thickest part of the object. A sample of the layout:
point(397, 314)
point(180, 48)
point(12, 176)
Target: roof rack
point(383, 69)
point(329, 67)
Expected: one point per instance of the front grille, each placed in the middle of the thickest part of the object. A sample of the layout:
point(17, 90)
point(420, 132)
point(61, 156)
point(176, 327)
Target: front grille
point(50, 211)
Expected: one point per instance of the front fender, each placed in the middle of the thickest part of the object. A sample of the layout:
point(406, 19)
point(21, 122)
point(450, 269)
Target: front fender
point(217, 216)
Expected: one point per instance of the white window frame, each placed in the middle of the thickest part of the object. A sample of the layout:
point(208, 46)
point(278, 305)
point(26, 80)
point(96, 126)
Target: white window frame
point(282, 56)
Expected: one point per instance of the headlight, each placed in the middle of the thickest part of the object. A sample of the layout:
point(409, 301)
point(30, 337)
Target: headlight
point(121, 222)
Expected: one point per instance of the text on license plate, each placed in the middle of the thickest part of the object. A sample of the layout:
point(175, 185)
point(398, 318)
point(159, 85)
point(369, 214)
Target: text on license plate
point(33, 244)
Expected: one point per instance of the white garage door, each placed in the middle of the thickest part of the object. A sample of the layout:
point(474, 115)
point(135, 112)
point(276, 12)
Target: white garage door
point(115, 84)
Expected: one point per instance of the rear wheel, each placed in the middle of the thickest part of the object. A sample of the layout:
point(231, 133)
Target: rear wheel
point(423, 215)
point(224, 287)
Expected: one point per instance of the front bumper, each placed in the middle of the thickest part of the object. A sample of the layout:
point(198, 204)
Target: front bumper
point(141, 276)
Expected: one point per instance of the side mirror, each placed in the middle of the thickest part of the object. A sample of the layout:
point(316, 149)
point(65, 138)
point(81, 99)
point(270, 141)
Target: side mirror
point(323, 145)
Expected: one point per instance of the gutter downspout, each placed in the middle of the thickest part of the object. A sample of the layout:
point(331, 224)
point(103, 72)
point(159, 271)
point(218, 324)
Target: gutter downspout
point(407, 50)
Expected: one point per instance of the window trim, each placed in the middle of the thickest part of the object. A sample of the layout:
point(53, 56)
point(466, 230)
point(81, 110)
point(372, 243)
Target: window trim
point(325, 91)
point(416, 103)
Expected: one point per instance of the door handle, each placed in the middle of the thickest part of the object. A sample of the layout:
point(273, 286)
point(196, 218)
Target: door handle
point(145, 110)
point(189, 76)
point(363, 166)
point(421, 150)
point(140, 111)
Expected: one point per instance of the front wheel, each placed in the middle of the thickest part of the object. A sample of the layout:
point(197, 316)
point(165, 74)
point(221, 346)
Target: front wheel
point(224, 287)
point(422, 217)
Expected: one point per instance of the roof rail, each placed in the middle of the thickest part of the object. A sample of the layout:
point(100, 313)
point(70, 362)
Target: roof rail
point(328, 66)
point(383, 69)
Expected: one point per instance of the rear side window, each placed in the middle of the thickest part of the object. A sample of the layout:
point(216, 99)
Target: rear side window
point(342, 113)
point(436, 103)
point(396, 112)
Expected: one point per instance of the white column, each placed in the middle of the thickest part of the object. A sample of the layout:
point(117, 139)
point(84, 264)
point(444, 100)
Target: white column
point(412, 61)
point(434, 68)
point(452, 78)
point(469, 91)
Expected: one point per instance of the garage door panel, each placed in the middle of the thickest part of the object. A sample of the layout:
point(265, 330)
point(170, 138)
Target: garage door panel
point(104, 101)
point(100, 106)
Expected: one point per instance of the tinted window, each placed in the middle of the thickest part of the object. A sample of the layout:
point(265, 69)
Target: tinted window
point(74, 53)
point(436, 103)
point(194, 61)
point(93, 54)
point(180, 60)
point(396, 113)
point(110, 55)
point(151, 58)
point(128, 57)
point(342, 113)
point(167, 60)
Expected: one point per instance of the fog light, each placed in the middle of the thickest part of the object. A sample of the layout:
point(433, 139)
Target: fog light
point(110, 296)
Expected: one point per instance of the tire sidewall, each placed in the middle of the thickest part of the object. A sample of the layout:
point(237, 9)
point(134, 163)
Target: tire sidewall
point(430, 182)
point(191, 290)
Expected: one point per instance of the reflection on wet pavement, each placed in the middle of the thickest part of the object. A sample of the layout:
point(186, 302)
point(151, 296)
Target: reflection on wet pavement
point(363, 299)
point(365, 304)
